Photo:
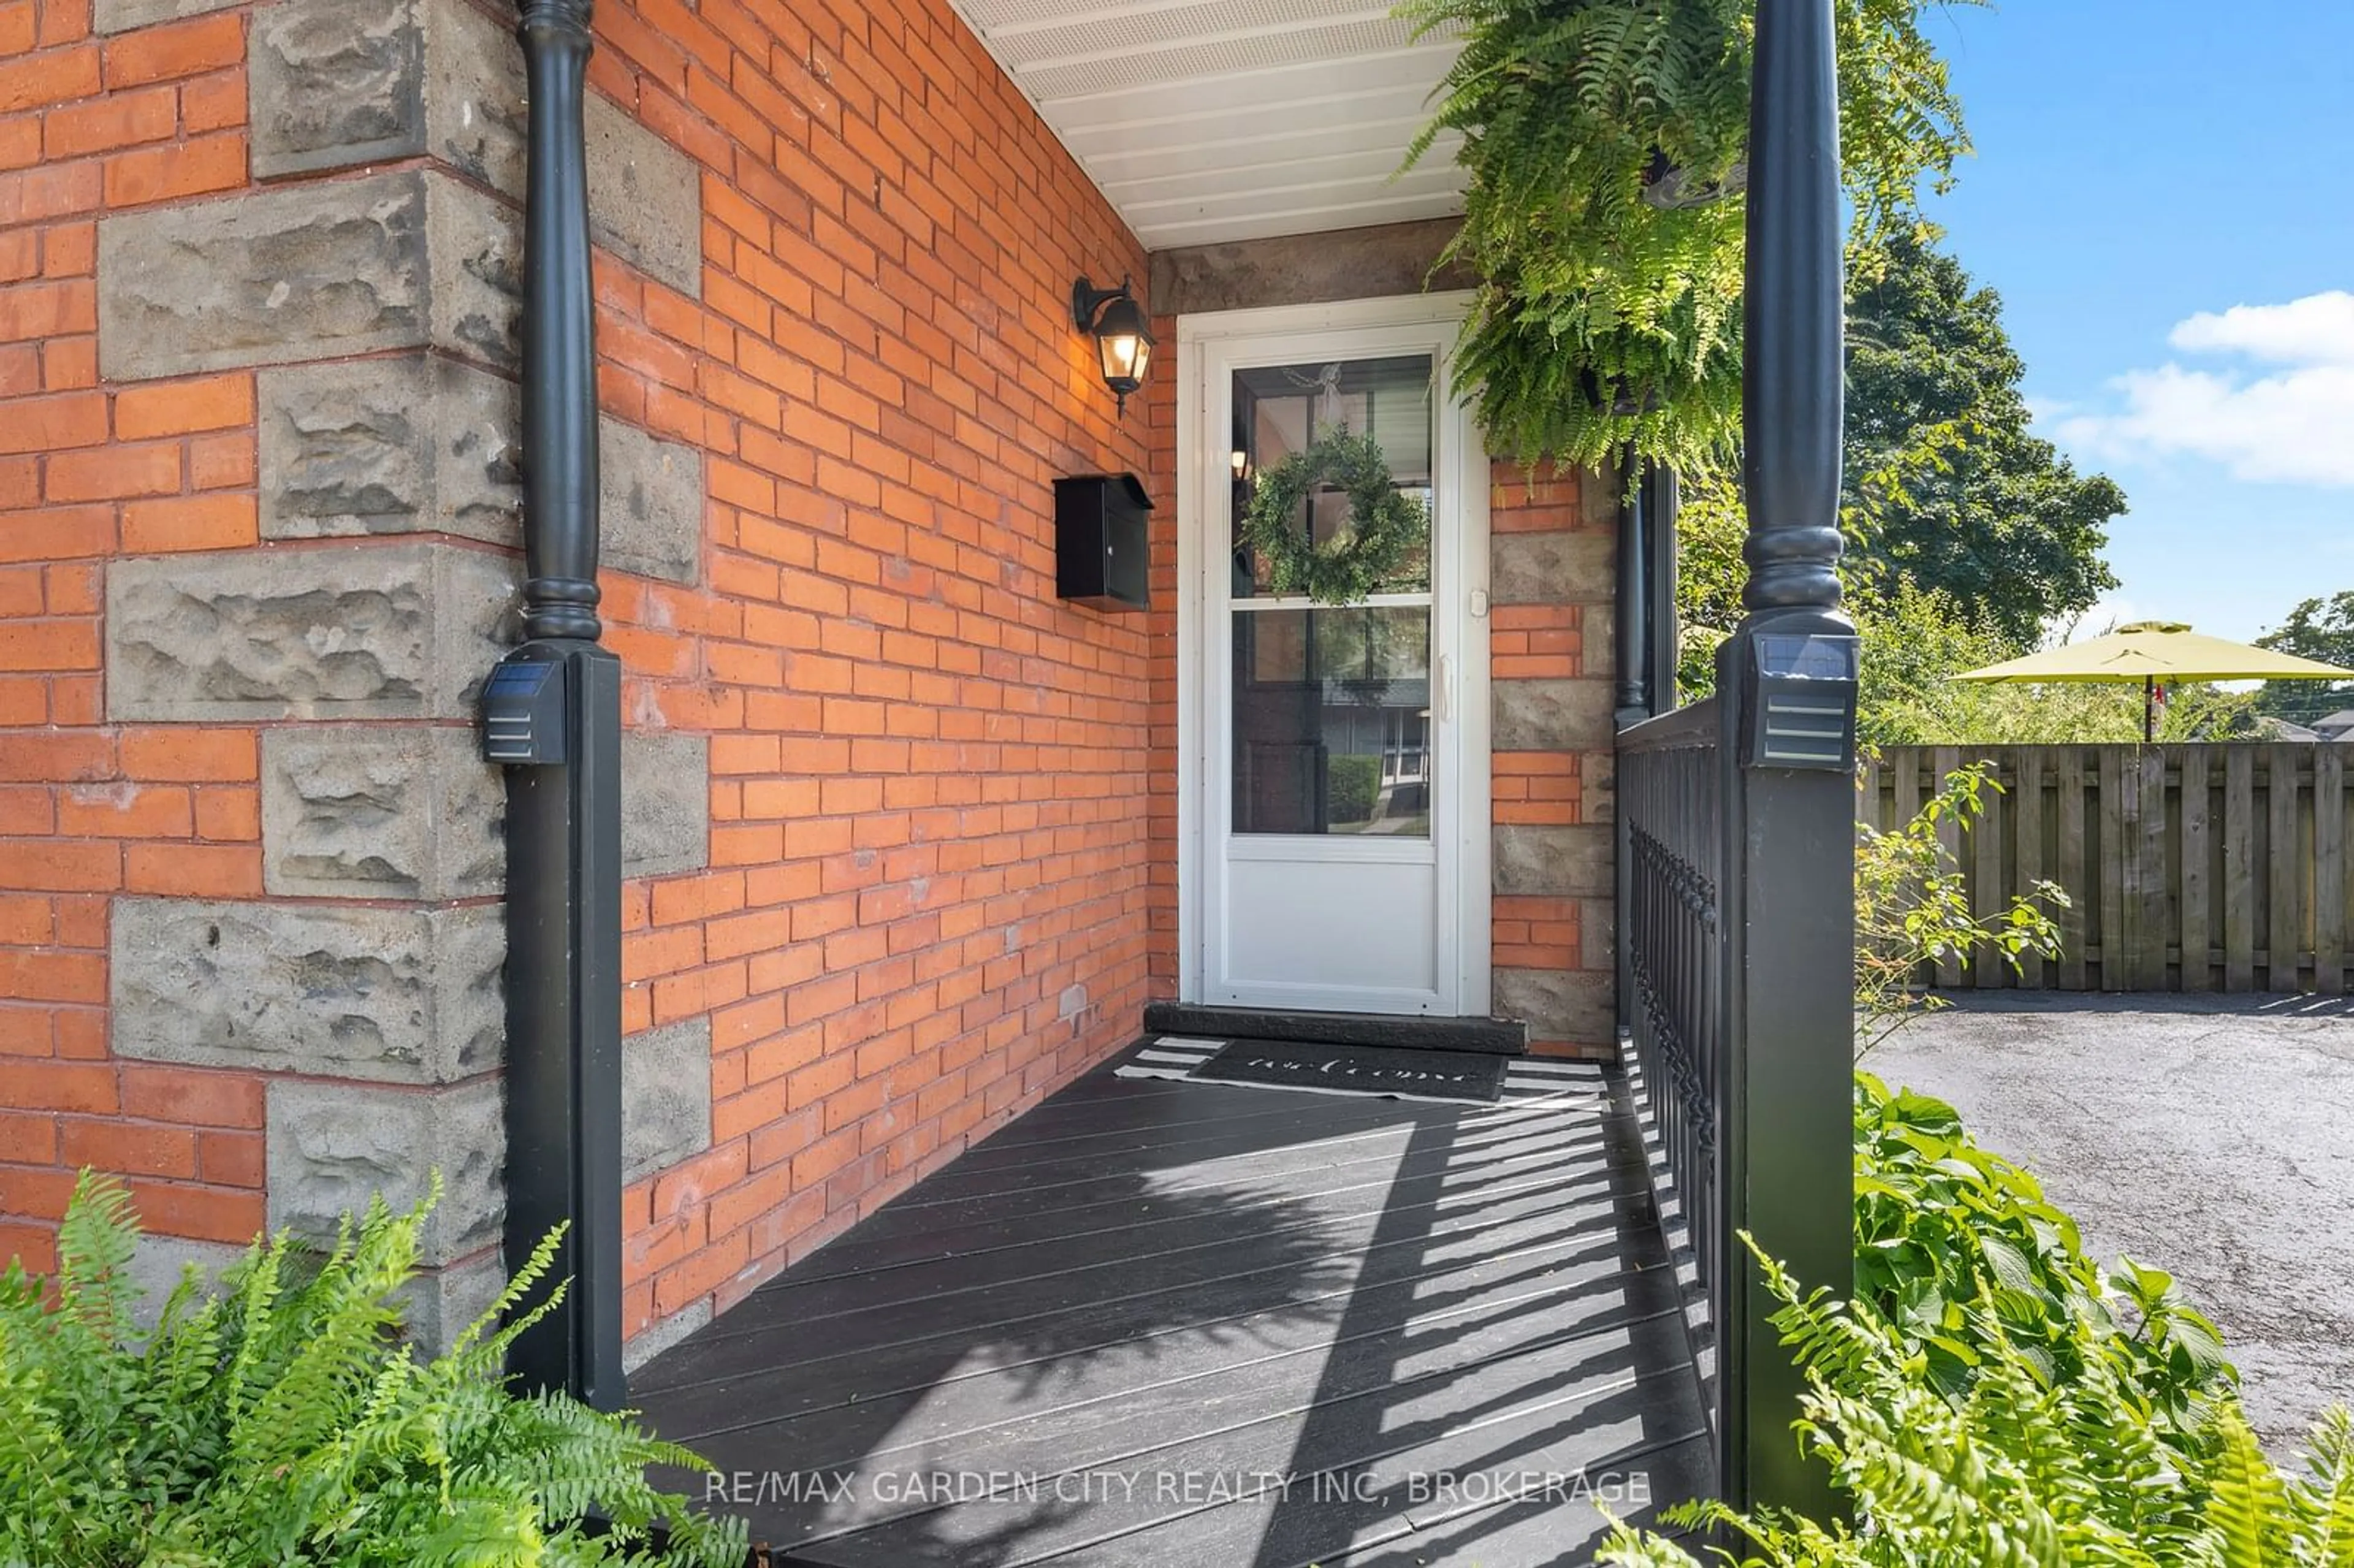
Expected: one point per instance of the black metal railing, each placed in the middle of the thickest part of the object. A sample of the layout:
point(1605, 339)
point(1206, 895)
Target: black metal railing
point(1674, 968)
point(1675, 943)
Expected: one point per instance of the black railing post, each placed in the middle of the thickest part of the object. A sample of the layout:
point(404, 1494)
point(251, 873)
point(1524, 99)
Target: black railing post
point(553, 714)
point(1785, 1122)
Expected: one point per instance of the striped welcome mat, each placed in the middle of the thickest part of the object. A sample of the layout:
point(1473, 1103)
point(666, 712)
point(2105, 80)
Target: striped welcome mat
point(1525, 1078)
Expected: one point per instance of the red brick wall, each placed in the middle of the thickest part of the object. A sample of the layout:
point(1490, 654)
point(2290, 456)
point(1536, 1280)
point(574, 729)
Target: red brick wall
point(930, 780)
point(89, 810)
point(929, 777)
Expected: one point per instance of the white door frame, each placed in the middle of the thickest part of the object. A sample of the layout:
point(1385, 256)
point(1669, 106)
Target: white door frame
point(1407, 323)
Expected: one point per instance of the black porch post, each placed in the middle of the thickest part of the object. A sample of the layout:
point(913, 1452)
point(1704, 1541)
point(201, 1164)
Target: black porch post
point(553, 714)
point(1646, 588)
point(1634, 595)
point(1660, 501)
point(1786, 1135)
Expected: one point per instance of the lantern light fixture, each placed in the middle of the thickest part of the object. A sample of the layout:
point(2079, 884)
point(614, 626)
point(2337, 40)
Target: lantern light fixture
point(1123, 338)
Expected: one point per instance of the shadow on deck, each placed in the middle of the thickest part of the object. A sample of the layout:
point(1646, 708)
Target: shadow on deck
point(1172, 1322)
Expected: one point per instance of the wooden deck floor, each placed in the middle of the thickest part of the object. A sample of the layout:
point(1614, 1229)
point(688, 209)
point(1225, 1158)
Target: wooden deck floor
point(1178, 1324)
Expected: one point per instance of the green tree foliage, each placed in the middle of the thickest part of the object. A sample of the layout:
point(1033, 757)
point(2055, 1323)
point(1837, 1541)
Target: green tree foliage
point(1946, 488)
point(1992, 1395)
point(1915, 639)
point(2319, 628)
point(1605, 142)
point(283, 1422)
point(1966, 536)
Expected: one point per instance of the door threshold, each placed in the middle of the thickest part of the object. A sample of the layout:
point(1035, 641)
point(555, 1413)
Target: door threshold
point(1482, 1036)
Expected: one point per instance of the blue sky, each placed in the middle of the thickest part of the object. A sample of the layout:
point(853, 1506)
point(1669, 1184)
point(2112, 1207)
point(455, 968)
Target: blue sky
point(2143, 167)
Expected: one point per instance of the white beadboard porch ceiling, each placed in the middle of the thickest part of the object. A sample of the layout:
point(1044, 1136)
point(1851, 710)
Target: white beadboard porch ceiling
point(1204, 120)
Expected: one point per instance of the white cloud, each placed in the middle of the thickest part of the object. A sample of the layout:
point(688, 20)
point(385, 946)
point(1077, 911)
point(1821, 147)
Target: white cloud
point(2293, 425)
point(2316, 330)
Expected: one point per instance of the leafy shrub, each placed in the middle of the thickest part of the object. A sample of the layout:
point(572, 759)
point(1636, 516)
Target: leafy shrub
point(1990, 1397)
point(1912, 908)
point(283, 1422)
point(1352, 784)
point(1943, 1229)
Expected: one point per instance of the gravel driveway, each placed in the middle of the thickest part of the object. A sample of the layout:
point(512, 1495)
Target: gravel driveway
point(2212, 1137)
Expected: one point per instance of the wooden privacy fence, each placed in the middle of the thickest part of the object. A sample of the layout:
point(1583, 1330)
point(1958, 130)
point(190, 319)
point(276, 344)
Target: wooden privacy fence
point(2219, 867)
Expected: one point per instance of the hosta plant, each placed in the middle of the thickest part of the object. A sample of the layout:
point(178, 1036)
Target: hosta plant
point(1960, 1251)
point(284, 1421)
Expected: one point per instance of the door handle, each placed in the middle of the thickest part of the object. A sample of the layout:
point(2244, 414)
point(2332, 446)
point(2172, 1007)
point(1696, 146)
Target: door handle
point(1445, 694)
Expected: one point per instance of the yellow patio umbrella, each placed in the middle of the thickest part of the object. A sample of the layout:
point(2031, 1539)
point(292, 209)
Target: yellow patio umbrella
point(2154, 651)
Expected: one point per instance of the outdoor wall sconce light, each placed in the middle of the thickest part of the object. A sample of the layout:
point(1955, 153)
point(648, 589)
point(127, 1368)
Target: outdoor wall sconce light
point(1123, 340)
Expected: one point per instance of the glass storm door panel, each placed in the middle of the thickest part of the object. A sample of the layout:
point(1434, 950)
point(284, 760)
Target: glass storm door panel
point(1330, 805)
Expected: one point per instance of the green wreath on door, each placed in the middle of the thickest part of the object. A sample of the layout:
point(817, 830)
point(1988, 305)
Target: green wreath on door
point(1384, 526)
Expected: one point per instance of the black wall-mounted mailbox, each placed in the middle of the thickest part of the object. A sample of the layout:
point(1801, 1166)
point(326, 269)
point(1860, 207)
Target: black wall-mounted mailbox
point(1101, 556)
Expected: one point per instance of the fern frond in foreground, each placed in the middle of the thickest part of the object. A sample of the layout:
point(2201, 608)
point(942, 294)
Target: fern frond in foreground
point(1993, 1397)
point(284, 1421)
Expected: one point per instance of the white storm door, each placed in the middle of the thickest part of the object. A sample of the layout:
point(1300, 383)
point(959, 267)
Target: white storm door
point(1340, 779)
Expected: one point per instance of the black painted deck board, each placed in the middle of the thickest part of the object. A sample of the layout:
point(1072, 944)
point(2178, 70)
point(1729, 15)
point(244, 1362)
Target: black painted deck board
point(1117, 1230)
point(970, 1223)
point(755, 1368)
point(1178, 1282)
point(1044, 1308)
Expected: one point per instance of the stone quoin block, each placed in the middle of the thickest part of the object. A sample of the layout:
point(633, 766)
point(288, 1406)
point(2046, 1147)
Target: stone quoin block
point(1598, 933)
point(440, 1302)
point(1552, 568)
point(650, 501)
point(122, 16)
point(1556, 862)
point(335, 83)
point(333, 1147)
point(666, 803)
point(645, 199)
point(665, 1096)
point(159, 1263)
point(1551, 715)
point(326, 267)
point(1597, 780)
point(367, 811)
point(332, 82)
point(1575, 1005)
point(475, 259)
point(405, 630)
point(388, 994)
point(390, 446)
point(370, 812)
point(423, 443)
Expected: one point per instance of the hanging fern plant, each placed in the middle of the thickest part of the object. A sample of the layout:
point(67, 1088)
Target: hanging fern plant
point(1604, 141)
